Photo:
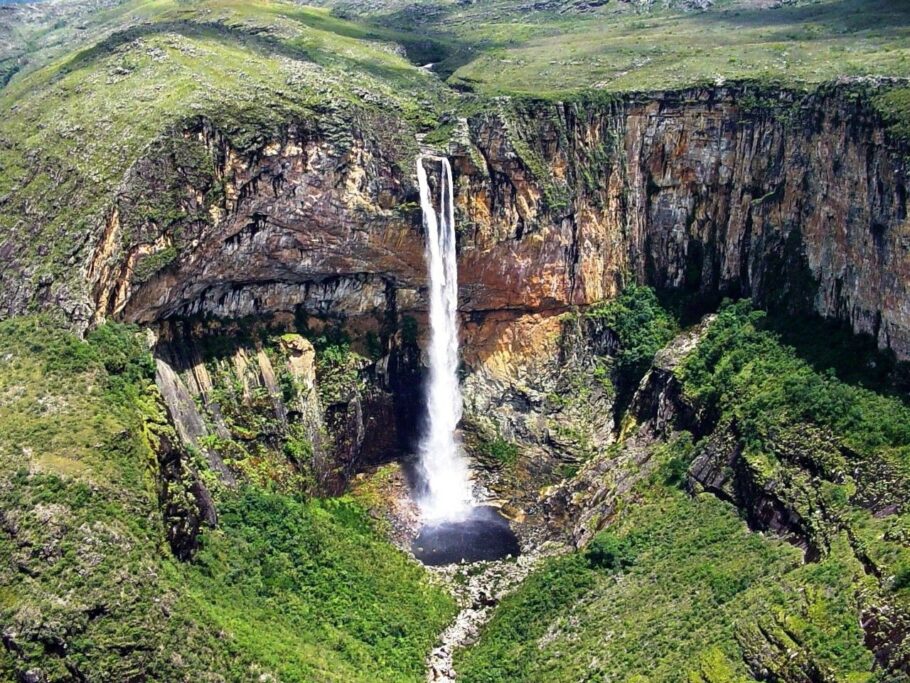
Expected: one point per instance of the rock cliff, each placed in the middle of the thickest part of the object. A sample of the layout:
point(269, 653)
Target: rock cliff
point(796, 200)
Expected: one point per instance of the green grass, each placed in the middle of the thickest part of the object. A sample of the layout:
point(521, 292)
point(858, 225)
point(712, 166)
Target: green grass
point(499, 450)
point(699, 581)
point(618, 48)
point(894, 106)
point(678, 588)
point(302, 590)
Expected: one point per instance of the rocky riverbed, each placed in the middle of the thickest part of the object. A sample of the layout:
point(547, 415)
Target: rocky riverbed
point(478, 587)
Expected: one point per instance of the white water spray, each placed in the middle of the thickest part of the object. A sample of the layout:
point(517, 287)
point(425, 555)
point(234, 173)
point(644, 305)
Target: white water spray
point(447, 493)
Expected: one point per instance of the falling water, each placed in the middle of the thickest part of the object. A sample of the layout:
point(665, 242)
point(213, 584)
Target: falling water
point(447, 487)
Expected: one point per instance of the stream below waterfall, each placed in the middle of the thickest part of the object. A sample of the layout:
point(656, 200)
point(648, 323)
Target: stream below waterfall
point(478, 588)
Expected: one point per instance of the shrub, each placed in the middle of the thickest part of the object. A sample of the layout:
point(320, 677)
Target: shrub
point(608, 551)
point(500, 450)
point(642, 325)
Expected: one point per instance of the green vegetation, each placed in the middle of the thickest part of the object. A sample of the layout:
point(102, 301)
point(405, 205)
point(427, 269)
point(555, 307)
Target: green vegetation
point(558, 47)
point(700, 585)
point(894, 106)
point(32, 32)
point(276, 426)
point(741, 371)
point(495, 46)
point(337, 368)
point(642, 326)
point(610, 552)
point(309, 592)
point(836, 452)
point(499, 450)
point(509, 643)
point(297, 589)
point(153, 263)
point(677, 588)
point(855, 359)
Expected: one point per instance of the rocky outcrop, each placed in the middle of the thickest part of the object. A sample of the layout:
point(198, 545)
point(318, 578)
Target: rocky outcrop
point(798, 200)
point(783, 501)
point(186, 502)
point(186, 418)
point(795, 199)
point(533, 382)
point(585, 503)
point(659, 407)
point(260, 403)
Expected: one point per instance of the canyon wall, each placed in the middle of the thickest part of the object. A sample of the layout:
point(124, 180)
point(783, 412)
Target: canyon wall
point(797, 200)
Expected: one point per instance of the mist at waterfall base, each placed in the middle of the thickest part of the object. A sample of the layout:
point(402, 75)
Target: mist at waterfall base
point(454, 528)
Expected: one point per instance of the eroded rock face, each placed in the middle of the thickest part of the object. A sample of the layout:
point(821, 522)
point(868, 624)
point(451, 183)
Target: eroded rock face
point(261, 400)
point(796, 200)
point(532, 383)
point(302, 221)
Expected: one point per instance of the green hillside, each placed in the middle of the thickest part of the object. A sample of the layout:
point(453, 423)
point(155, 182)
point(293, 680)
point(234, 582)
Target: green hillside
point(300, 589)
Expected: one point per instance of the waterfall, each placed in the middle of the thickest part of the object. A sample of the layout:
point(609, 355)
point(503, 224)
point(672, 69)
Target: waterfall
point(446, 493)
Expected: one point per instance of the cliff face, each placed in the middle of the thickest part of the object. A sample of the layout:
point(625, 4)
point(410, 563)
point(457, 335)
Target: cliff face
point(227, 251)
point(797, 201)
point(716, 192)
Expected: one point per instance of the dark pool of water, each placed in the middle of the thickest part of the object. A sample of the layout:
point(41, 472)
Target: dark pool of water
point(483, 535)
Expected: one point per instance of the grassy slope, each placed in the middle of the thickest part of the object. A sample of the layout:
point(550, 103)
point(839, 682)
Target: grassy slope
point(34, 32)
point(664, 50)
point(699, 582)
point(306, 591)
point(496, 46)
point(500, 46)
point(70, 130)
point(698, 577)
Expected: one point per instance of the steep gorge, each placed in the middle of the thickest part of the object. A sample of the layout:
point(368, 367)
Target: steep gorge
point(795, 200)
point(226, 252)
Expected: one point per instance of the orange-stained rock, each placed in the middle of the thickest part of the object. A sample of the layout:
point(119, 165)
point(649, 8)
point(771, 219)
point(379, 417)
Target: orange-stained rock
point(798, 201)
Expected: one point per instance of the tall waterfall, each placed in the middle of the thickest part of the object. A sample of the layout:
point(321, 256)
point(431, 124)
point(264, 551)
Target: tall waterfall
point(447, 488)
